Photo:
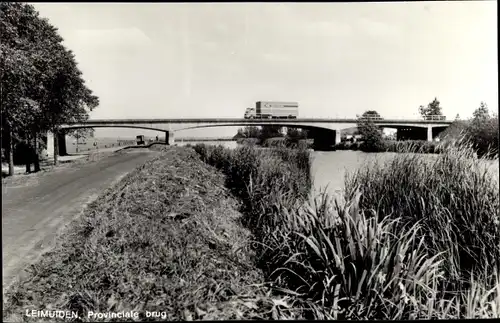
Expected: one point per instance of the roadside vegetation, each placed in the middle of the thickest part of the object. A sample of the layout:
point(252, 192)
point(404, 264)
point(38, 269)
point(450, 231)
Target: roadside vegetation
point(417, 238)
point(166, 238)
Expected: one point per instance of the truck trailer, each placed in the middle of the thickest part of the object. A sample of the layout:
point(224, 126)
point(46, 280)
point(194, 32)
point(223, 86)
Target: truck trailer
point(273, 110)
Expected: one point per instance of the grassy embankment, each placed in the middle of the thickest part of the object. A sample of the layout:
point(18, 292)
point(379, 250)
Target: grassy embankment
point(403, 246)
point(418, 238)
point(167, 238)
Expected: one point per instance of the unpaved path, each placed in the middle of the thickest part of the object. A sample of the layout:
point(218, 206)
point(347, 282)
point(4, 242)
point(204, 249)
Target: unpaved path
point(34, 212)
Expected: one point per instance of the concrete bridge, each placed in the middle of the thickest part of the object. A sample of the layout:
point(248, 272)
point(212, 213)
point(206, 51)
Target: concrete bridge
point(325, 132)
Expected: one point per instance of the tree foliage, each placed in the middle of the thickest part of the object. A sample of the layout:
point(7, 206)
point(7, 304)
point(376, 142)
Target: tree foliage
point(371, 136)
point(371, 114)
point(296, 134)
point(481, 114)
point(482, 132)
point(267, 132)
point(82, 133)
point(433, 108)
point(41, 85)
point(248, 132)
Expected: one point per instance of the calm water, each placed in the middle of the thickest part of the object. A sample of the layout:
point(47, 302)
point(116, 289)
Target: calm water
point(329, 168)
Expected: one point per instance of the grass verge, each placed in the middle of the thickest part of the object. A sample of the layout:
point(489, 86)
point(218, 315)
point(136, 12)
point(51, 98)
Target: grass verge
point(166, 239)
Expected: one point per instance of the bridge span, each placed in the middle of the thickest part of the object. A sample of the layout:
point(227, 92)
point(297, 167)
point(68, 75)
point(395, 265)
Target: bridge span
point(325, 132)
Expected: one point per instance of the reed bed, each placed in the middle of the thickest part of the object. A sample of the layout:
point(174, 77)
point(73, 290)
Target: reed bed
point(415, 238)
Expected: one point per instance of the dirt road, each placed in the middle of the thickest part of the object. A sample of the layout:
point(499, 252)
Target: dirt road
point(35, 212)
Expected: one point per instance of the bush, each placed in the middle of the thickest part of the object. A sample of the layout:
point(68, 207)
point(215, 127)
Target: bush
point(280, 142)
point(481, 132)
point(483, 136)
point(416, 146)
point(248, 141)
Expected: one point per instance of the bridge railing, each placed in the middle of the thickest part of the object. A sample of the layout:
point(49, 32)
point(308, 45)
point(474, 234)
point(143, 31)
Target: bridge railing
point(435, 117)
point(303, 118)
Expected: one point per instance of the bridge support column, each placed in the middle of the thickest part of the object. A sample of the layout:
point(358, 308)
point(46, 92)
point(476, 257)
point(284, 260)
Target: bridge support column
point(338, 134)
point(50, 145)
point(429, 133)
point(169, 138)
point(56, 145)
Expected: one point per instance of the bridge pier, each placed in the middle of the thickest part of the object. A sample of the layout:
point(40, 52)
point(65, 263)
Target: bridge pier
point(429, 133)
point(56, 145)
point(338, 134)
point(50, 145)
point(169, 138)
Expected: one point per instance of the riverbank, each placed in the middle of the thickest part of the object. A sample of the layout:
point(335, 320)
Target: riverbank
point(390, 250)
point(166, 238)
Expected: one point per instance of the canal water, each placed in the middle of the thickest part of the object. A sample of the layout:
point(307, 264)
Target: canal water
point(330, 168)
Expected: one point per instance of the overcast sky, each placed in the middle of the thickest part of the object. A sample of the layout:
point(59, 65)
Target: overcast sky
point(170, 60)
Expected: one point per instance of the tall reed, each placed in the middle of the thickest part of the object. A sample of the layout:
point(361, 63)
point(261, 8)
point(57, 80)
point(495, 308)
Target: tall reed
point(389, 250)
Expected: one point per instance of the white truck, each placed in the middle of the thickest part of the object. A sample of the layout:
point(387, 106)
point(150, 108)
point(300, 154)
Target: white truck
point(273, 110)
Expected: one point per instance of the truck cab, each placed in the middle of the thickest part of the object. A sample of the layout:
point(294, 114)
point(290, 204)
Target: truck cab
point(250, 113)
point(140, 140)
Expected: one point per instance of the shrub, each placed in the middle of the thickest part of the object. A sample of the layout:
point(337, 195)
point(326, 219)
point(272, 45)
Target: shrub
point(416, 146)
point(248, 141)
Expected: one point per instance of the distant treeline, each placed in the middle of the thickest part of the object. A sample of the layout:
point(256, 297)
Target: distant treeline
point(261, 134)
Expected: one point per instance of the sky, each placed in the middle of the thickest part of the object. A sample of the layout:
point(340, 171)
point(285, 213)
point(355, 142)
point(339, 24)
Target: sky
point(175, 60)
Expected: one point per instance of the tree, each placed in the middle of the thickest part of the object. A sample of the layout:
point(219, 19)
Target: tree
point(482, 113)
point(371, 114)
point(270, 132)
point(41, 85)
point(82, 133)
point(432, 108)
point(482, 132)
point(248, 132)
point(295, 134)
point(371, 136)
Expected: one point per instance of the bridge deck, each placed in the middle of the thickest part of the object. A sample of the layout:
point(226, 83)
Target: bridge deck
point(256, 121)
